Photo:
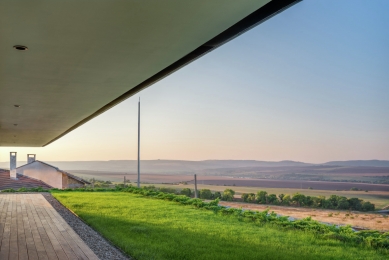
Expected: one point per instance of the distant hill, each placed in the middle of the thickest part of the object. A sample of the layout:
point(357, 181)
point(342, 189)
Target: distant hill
point(178, 166)
point(370, 163)
point(162, 166)
point(368, 171)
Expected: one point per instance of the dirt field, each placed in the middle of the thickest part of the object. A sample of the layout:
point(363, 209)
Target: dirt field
point(229, 181)
point(291, 184)
point(145, 178)
point(377, 193)
point(353, 218)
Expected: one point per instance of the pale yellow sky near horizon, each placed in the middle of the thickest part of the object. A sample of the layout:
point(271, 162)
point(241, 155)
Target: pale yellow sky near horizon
point(166, 138)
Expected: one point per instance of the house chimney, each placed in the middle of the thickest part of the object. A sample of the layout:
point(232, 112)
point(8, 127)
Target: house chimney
point(31, 158)
point(12, 165)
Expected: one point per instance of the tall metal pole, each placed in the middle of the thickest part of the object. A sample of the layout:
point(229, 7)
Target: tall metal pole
point(139, 143)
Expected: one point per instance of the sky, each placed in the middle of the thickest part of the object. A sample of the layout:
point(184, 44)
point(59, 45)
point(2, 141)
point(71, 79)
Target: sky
point(311, 84)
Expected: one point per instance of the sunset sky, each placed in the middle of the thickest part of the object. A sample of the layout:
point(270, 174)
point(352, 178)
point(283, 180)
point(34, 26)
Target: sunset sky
point(311, 84)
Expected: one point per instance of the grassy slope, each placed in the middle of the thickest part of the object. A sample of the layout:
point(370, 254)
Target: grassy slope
point(147, 228)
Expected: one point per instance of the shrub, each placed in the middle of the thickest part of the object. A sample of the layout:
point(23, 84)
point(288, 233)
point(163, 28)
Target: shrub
point(228, 195)
point(205, 194)
point(248, 197)
point(367, 206)
point(217, 195)
point(168, 190)
point(150, 187)
point(299, 199)
point(262, 197)
point(272, 199)
point(186, 191)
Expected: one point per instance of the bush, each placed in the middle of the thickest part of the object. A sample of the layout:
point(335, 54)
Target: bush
point(367, 206)
point(168, 190)
point(217, 195)
point(272, 199)
point(186, 191)
point(248, 197)
point(205, 194)
point(262, 197)
point(228, 195)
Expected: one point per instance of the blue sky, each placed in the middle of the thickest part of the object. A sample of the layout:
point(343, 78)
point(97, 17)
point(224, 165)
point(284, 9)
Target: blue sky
point(310, 84)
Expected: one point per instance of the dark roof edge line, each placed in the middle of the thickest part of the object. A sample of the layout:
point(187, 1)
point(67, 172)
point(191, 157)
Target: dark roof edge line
point(40, 162)
point(262, 14)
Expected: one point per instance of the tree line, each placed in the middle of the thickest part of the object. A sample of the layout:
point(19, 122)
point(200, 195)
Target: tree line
point(300, 200)
point(262, 197)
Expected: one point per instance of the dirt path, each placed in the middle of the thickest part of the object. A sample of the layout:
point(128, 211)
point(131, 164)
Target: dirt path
point(353, 218)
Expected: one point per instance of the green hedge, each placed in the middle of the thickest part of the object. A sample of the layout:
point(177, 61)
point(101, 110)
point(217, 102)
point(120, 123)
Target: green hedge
point(300, 200)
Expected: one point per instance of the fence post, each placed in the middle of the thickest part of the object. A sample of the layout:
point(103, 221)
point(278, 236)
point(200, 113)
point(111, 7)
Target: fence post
point(195, 179)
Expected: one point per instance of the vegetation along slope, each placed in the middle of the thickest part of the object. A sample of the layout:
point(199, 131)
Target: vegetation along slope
point(154, 225)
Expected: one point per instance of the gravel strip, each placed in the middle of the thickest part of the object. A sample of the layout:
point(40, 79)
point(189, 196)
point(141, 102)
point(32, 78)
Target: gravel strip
point(99, 245)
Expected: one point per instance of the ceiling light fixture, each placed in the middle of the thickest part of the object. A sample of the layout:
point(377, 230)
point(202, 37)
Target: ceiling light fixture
point(16, 105)
point(15, 124)
point(20, 47)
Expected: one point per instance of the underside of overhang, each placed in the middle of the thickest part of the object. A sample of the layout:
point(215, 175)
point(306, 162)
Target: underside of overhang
point(85, 57)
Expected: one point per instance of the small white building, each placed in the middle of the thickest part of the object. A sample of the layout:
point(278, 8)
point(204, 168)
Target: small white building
point(50, 175)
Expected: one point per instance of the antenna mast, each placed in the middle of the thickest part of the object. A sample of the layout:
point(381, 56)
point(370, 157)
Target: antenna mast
point(139, 143)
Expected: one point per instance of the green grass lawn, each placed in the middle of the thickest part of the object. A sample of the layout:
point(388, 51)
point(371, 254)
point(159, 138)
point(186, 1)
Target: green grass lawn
point(147, 228)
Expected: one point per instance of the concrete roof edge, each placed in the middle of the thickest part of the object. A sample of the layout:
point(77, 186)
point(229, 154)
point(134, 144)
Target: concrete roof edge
point(264, 13)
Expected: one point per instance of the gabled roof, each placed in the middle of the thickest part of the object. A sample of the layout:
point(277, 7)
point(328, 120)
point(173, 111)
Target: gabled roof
point(57, 169)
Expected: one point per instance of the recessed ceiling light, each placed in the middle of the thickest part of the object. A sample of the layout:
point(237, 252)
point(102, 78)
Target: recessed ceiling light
point(16, 105)
point(15, 124)
point(20, 47)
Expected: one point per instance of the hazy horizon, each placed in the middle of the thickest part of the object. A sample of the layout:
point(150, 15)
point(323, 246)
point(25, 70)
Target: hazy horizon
point(242, 160)
point(309, 85)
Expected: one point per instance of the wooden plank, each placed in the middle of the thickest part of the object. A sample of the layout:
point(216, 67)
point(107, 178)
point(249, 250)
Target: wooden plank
point(40, 249)
point(22, 246)
point(31, 247)
point(31, 229)
point(75, 242)
point(50, 252)
point(6, 220)
point(61, 239)
point(3, 214)
point(13, 243)
point(62, 225)
point(54, 241)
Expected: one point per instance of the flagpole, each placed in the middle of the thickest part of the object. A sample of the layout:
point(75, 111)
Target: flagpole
point(139, 143)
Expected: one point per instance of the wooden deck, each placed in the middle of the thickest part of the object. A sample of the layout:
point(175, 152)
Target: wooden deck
point(30, 228)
